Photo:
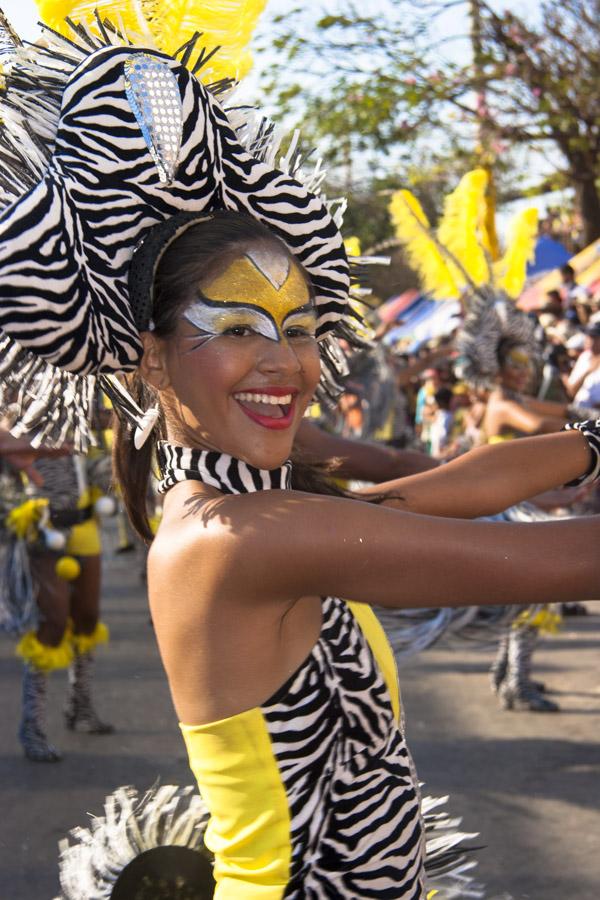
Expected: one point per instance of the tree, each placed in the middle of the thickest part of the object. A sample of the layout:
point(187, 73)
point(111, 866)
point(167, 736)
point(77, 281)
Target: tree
point(383, 81)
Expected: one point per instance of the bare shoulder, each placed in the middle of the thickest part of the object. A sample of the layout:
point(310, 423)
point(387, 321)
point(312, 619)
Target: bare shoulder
point(221, 541)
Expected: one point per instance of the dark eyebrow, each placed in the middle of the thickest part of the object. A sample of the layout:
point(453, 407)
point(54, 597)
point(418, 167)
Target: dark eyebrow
point(307, 308)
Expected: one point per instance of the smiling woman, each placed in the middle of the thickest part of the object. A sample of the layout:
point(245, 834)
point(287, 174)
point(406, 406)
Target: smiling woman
point(253, 307)
point(283, 694)
point(222, 284)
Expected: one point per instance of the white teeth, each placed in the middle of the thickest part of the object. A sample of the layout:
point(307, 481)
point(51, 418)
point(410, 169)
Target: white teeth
point(264, 398)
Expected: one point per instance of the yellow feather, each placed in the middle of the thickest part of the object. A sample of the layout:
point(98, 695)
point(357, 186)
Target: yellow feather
point(228, 24)
point(511, 270)
point(438, 275)
point(129, 13)
point(462, 227)
point(352, 245)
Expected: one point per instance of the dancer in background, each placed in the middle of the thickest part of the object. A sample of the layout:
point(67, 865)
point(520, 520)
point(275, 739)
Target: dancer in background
point(66, 574)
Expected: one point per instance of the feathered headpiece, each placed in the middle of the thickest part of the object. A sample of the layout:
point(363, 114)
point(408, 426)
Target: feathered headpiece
point(144, 844)
point(101, 140)
point(455, 262)
point(490, 321)
point(158, 837)
point(226, 26)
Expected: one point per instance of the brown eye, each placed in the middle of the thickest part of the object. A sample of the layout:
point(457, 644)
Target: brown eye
point(239, 331)
point(297, 332)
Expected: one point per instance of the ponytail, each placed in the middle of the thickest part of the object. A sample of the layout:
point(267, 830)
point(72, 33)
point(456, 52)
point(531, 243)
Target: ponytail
point(132, 467)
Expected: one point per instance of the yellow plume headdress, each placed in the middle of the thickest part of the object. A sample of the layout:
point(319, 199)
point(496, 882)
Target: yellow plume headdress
point(455, 258)
point(454, 261)
point(227, 25)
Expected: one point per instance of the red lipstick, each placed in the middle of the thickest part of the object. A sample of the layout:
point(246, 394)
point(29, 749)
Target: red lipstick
point(276, 423)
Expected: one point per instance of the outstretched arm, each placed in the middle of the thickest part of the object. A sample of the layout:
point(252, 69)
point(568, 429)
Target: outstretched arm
point(489, 479)
point(21, 455)
point(361, 460)
point(274, 546)
point(527, 419)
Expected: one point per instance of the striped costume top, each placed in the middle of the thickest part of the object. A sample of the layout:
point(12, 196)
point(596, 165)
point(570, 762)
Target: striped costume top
point(313, 794)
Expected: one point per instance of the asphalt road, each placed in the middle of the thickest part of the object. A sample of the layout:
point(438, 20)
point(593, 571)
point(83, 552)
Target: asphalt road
point(530, 784)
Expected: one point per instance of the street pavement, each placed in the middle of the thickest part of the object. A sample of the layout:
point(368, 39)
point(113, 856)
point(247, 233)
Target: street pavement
point(529, 783)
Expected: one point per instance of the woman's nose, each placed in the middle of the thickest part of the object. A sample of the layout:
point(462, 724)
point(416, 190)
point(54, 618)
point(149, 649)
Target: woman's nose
point(278, 357)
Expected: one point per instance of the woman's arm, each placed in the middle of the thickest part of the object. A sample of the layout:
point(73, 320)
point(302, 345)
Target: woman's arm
point(273, 546)
point(489, 479)
point(548, 408)
point(362, 460)
point(523, 418)
point(573, 384)
point(21, 455)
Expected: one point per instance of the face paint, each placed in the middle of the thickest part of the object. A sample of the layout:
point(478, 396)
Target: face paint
point(263, 292)
point(519, 359)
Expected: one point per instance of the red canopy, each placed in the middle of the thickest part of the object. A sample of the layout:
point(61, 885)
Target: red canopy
point(393, 308)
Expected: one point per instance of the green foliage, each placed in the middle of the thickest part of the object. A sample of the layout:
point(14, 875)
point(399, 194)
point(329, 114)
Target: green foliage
point(378, 84)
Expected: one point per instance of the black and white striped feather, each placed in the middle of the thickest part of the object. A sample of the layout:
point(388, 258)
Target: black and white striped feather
point(490, 319)
point(82, 181)
point(92, 859)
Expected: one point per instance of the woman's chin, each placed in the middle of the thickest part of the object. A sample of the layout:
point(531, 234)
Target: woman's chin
point(259, 447)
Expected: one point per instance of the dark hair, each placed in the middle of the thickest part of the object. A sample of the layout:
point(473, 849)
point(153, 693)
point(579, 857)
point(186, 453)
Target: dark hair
point(568, 271)
point(442, 397)
point(193, 256)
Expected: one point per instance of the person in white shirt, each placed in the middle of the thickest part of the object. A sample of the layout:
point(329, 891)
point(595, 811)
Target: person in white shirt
point(583, 382)
point(440, 430)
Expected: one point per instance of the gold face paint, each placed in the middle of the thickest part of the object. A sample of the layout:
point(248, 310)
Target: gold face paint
point(519, 359)
point(262, 291)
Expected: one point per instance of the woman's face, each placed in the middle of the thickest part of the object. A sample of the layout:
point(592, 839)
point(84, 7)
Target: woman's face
point(516, 372)
point(244, 363)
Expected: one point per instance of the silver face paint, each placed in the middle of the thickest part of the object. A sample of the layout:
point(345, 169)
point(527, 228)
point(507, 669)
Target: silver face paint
point(263, 292)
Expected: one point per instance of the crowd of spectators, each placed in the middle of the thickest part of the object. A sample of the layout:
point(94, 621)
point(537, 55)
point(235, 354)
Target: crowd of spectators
point(416, 399)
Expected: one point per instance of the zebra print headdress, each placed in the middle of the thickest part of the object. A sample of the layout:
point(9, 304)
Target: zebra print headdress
point(491, 319)
point(99, 142)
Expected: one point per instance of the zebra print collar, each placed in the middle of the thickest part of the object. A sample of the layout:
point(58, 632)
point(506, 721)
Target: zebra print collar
point(219, 470)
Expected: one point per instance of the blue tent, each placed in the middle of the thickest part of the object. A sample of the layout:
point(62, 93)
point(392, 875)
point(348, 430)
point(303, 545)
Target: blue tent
point(425, 319)
point(549, 254)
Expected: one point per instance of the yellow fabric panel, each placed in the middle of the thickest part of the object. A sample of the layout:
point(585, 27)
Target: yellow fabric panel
point(240, 782)
point(384, 656)
point(500, 438)
point(84, 539)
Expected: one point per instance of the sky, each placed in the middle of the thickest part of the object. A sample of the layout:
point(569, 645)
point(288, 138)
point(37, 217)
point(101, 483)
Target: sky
point(23, 16)
point(23, 13)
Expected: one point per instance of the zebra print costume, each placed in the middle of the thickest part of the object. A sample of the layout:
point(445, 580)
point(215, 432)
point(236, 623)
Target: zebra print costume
point(110, 140)
point(229, 475)
point(355, 824)
point(343, 816)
